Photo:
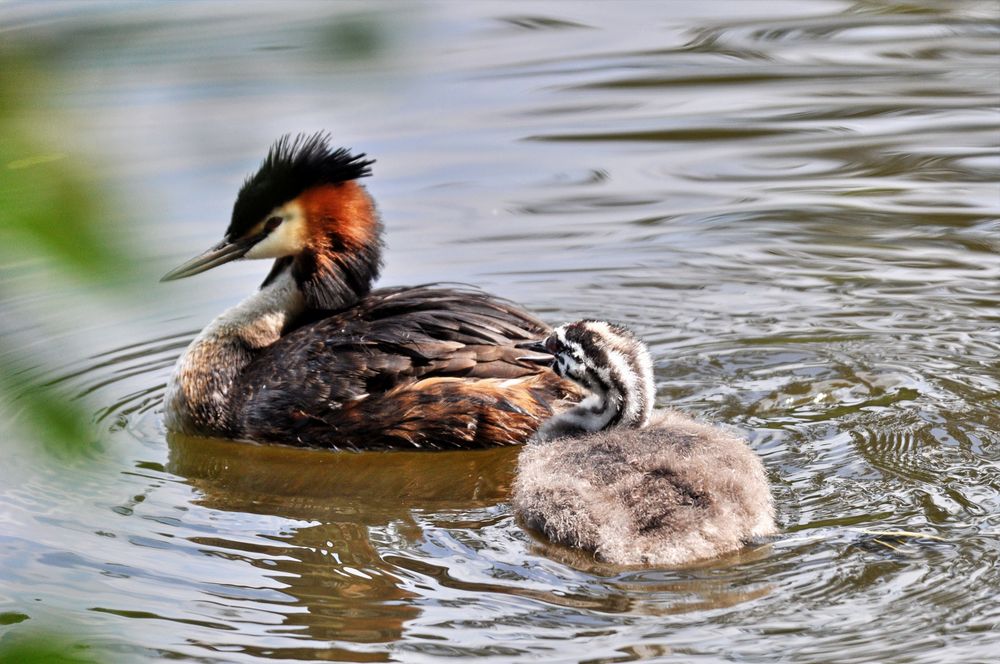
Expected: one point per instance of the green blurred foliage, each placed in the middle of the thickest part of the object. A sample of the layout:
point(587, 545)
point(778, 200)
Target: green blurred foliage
point(47, 209)
point(41, 647)
point(62, 427)
point(50, 214)
point(356, 37)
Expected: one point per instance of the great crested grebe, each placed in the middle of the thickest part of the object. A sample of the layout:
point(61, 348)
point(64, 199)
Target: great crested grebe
point(633, 485)
point(317, 358)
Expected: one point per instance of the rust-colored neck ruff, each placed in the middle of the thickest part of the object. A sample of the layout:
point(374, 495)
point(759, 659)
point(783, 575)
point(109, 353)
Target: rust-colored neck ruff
point(343, 256)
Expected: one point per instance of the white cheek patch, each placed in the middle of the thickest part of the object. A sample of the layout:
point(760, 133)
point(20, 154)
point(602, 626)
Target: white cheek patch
point(287, 239)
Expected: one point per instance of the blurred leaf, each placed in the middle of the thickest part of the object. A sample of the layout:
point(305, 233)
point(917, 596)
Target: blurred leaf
point(50, 214)
point(62, 425)
point(44, 648)
point(46, 212)
point(357, 37)
point(46, 208)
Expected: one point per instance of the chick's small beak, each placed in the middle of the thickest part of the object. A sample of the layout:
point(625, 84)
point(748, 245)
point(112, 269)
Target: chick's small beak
point(224, 252)
point(537, 353)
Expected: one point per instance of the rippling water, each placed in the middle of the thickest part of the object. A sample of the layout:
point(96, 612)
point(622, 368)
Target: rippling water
point(796, 203)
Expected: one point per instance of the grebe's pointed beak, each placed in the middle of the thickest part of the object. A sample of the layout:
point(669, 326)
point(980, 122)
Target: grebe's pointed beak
point(224, 252)
point(537, 355)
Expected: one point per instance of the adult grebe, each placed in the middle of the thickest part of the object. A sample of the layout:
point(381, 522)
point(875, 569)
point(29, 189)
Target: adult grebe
point(317, 358)
point(633, 485)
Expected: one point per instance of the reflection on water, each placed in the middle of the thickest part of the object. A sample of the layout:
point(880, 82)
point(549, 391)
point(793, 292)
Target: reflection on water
point(331, 564)
point(797, 204)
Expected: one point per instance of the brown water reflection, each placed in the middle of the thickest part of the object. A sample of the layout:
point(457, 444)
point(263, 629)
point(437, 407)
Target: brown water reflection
point(332, 569)
point(345, 585)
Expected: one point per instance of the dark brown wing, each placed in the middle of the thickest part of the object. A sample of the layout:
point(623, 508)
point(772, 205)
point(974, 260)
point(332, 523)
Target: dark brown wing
point(405, 367)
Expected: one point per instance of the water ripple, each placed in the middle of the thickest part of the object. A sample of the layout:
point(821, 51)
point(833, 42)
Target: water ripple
point(796, 204)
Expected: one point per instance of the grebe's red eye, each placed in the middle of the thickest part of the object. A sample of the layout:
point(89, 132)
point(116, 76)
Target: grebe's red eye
point(271, 224)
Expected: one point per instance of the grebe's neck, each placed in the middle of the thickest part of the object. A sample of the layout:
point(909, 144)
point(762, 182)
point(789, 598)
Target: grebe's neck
point(622, 393)
point(199, 392)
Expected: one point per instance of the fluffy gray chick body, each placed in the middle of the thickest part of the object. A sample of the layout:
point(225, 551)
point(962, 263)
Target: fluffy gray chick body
point(653, 487)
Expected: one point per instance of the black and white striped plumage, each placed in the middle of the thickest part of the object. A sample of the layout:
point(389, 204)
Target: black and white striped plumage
point(609, 362)
point(630, 484)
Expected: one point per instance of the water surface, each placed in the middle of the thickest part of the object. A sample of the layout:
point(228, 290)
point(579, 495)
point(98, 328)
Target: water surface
point(796, 203)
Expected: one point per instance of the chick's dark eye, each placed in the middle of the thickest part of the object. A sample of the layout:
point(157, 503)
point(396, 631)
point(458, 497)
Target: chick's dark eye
point(271, 224)
point(552, 345)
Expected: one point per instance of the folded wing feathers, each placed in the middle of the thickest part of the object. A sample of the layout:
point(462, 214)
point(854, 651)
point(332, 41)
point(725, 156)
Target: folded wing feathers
point(405, 357)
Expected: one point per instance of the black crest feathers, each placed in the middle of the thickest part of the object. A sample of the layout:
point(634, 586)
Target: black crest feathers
point(292, 165)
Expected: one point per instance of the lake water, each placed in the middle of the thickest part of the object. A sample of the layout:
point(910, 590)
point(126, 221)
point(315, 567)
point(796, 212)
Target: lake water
point(796, 204)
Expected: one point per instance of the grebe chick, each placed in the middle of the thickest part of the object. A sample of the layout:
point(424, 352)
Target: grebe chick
point(633, 485)
point(315, 357)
